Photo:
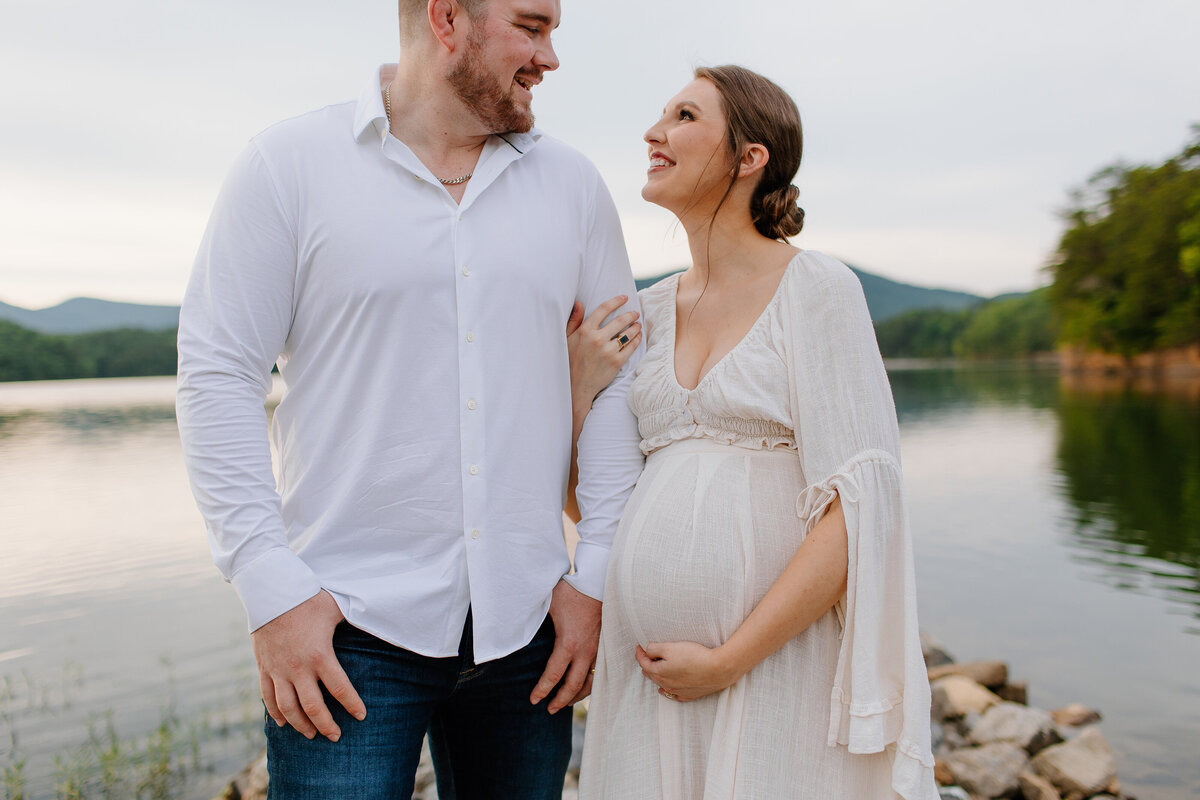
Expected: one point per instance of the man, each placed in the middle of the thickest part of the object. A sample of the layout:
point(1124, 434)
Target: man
point(410, 261)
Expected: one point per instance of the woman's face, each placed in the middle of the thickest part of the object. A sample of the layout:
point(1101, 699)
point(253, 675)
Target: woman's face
point(687, 148)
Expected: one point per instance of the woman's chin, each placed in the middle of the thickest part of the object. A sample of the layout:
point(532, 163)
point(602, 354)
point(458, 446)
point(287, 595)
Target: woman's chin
point(651, 194)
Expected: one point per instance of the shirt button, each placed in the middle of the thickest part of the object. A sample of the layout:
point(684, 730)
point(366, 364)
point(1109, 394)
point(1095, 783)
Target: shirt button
point(474, 470)
point(471, 404)
point(475, 533)
point(466, 272)
point(419, 178)
point(470, 337)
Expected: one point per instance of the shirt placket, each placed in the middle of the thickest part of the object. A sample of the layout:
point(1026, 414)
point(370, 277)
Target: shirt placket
point(472, 441)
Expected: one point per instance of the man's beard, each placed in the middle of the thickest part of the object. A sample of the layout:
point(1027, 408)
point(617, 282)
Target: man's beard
point(478, 91)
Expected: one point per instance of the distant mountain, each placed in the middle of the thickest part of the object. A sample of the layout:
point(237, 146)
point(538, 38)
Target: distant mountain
point(886, 298)
point(87, 314)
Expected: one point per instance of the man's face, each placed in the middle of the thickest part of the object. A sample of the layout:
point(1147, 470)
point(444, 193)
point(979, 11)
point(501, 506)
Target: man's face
point(508, 49)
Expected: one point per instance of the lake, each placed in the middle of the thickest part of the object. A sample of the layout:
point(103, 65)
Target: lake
point(1057, 528)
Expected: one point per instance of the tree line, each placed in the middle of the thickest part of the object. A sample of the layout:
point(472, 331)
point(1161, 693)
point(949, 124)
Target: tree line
point(1126, 276)
point(27, 355)
point(1126, 280)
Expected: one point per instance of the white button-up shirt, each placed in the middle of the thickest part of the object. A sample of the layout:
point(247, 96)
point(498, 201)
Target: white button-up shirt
point(424, 434)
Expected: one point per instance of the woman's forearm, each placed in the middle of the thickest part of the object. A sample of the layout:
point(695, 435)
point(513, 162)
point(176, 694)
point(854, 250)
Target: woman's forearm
point(579, 412)
point(812, 583)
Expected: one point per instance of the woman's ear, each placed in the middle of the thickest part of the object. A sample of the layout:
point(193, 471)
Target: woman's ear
point(754, 158)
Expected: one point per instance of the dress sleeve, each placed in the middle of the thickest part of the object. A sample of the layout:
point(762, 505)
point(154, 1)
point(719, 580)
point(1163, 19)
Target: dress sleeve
point(846, 429)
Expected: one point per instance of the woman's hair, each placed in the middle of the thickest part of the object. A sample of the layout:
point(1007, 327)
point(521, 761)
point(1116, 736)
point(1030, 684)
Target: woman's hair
point(759, 112)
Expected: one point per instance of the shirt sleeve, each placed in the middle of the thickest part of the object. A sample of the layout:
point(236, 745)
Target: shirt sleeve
point(233, 323)
point(609, 458)
point(850, 448)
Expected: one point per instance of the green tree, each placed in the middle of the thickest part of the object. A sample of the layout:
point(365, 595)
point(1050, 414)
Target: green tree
point(29, 356)
point(1126, 278)
point(1010, 328)
point(26, 355)
point(928, 333)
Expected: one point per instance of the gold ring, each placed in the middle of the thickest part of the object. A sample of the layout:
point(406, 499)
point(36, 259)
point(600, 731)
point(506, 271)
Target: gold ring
point(623, 340)
point(668, 695)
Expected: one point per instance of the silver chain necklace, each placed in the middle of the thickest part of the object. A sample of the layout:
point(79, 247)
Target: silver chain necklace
point(387, 109)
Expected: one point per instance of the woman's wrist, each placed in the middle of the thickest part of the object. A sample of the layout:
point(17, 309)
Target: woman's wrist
point(731, 663)
point(579, 411)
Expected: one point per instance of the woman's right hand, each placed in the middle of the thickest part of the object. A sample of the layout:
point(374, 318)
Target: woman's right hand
point(596, 349)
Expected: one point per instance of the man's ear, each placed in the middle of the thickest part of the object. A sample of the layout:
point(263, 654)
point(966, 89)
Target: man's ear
point(447, 20)
point(754, 158)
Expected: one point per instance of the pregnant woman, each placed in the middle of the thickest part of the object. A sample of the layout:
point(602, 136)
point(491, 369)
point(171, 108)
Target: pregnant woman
point(759, 635)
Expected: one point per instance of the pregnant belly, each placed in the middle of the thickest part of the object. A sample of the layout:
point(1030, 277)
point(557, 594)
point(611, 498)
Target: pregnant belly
point(704, 535)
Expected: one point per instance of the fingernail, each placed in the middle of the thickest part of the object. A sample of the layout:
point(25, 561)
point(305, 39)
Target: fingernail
point(360, 716)
point(334, 737)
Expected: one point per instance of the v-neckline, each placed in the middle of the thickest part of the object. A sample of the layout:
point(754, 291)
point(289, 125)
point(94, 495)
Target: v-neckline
point(758, 321)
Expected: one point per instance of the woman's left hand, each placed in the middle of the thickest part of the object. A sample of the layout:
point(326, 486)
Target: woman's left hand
point(686, 670)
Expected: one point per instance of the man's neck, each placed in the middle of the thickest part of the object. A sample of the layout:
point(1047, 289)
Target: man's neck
point(427, 116)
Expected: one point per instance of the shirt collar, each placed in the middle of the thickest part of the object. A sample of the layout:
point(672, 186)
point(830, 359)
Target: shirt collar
point(370, 116)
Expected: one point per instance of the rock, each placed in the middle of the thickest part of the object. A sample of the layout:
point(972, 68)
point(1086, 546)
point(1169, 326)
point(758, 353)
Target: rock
point(425, 784)
point(952, 793)
point(1030, 728)
point(1085, 765)
point(1035, 787)
point(578, 724)
point(992, 674)
point(991, 770)
point(250, 783)
point(942, 774)
point(934, 655)
point(956, 695)
point(1017, 692)
point(937, 735)
point(1075, 715)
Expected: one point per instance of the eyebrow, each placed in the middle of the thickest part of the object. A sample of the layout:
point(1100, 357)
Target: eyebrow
point(683, 103)
point(534, 16)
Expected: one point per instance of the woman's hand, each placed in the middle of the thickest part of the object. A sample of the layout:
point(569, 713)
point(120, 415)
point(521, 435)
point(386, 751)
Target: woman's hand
point(597, 351)
point(686, 670)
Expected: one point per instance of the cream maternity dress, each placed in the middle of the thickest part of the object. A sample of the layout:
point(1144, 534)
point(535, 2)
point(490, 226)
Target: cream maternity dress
point(738, 470)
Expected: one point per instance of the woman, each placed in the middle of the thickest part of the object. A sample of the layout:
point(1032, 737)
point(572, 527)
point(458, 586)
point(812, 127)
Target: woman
point(759, 637)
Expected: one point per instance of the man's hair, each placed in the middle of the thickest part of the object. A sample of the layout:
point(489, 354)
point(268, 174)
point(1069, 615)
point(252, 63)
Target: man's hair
point(412, 14)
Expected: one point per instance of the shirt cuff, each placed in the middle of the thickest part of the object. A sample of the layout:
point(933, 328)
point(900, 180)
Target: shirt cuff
point(591, 566)
point(273, 584)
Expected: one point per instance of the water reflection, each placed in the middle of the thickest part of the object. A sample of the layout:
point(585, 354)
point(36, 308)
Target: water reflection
point(922, 392)
point(1130, 463)
point(1127, 460)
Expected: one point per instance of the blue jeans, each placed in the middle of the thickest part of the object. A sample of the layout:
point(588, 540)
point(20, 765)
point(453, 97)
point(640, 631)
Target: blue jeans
point(488, 742)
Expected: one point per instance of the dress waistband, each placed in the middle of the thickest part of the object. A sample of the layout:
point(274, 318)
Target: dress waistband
point(703, 445)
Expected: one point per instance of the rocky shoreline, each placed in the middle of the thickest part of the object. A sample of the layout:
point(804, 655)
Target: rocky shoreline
point(989, 743)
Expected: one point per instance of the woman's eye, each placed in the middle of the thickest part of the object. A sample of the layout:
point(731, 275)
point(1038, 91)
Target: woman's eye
point(685, 114)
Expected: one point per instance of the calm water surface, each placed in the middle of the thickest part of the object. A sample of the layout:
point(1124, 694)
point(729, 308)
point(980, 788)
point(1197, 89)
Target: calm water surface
point(1057, 528)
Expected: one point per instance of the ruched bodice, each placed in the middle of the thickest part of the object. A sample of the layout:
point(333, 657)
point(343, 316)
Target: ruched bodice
point(742, 400)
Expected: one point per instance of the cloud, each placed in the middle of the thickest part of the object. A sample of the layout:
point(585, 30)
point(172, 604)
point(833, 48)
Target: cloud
point(941, 136)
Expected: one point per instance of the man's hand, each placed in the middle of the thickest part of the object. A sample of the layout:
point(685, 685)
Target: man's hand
point(576, 620)
point(295, 654)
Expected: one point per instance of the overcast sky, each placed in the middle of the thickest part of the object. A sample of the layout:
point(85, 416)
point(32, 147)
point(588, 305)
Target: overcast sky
point(942, 136)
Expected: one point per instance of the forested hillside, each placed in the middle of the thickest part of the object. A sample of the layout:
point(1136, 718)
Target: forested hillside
point(1127, 271)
